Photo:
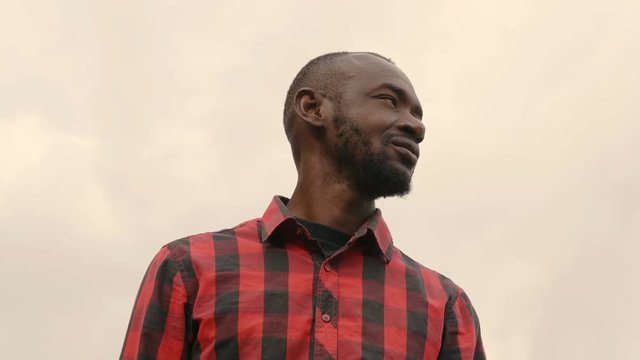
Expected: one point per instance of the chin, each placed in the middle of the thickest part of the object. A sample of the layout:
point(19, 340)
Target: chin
point(382, 177)
point(394, 185)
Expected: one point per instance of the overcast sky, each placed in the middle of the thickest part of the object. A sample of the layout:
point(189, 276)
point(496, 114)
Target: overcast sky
point(127, 124)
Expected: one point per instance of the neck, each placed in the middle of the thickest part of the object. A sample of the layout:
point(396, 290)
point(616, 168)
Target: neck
point(332, 203)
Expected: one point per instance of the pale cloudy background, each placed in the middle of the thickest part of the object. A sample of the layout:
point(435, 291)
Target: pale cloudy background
point(127, 124)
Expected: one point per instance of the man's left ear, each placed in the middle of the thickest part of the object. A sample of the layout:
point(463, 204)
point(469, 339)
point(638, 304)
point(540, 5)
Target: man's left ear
point(312, 107)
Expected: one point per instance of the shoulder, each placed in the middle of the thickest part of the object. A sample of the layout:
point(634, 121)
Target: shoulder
point(435, 284)
point(195, 256)
point(203, 243)
point(200, 249)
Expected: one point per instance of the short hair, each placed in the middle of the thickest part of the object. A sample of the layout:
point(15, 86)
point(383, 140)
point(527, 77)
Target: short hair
point(322, 74)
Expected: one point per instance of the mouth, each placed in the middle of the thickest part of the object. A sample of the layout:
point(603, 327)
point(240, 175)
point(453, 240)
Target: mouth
point(407, 147)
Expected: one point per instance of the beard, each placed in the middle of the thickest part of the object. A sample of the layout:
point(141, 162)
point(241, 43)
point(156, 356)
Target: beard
point(372, 173)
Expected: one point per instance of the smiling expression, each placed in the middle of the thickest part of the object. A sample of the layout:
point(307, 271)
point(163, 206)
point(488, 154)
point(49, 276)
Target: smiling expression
point(377, 127)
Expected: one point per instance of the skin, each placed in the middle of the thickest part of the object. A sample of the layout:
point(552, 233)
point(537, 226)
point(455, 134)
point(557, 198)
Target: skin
point(380, 102)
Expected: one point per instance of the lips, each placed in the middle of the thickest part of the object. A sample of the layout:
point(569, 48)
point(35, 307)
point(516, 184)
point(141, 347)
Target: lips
point(407, 145)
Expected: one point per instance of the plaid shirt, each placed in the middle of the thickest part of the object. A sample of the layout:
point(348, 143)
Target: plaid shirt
point(263, 290)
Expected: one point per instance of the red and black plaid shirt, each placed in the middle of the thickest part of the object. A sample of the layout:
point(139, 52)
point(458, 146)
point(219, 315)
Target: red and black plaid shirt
point(263, 290)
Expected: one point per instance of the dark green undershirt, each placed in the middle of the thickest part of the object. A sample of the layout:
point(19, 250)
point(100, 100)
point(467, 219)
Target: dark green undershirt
point(329, 240)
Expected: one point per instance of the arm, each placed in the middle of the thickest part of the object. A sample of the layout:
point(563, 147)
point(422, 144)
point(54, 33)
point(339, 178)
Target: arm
point(461, 337)
point(157, 326)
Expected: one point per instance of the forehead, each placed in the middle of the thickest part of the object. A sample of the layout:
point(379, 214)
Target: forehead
point(364, 71)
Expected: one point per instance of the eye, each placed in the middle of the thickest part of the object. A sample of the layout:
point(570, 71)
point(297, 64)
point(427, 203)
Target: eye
point(390, 99)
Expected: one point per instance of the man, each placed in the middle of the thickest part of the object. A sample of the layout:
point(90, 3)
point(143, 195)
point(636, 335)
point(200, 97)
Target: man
point(317, 276)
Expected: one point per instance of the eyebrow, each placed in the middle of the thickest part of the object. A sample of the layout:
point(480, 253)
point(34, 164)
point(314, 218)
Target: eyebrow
point(402, 94)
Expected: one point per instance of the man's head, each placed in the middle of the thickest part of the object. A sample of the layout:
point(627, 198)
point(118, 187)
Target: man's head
point(357, 113)
point(322, 73)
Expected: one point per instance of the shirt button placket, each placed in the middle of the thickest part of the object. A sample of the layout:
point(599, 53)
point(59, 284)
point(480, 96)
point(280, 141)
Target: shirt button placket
point(326, 325)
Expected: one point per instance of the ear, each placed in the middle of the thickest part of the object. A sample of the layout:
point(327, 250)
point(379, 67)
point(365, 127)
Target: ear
point(312, 107)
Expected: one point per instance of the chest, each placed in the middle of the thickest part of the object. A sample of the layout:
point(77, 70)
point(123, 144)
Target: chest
point(289, 303)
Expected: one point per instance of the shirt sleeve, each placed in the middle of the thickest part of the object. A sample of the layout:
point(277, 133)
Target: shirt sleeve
point(157, 329)
point(461, 338)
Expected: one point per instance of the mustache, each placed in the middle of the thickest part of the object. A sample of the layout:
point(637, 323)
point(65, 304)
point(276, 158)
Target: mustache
point(387, 139)
point(408, 142)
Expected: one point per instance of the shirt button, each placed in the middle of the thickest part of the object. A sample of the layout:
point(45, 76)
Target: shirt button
point(326, 317)
point(327, 267)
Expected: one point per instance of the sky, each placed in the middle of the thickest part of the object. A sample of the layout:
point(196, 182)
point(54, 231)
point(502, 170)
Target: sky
point(125, 125)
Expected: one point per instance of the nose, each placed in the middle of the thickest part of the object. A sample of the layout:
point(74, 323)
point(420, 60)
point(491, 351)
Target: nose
point(413, 127)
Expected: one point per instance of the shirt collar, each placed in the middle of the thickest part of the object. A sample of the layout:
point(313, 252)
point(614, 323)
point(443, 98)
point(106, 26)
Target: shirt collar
point(277, 215)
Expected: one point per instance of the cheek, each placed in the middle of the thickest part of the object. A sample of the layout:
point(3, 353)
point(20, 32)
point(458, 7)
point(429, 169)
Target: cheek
point(386, 138)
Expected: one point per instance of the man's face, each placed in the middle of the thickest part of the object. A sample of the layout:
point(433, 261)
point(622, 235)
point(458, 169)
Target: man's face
point(377, 128)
